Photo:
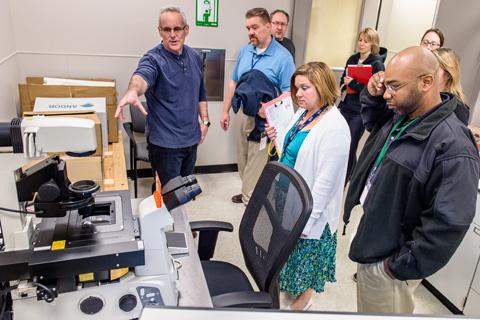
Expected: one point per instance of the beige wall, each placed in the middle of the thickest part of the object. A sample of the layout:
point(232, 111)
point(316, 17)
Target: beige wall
point(8, 65)
point(405, 23)
point(461, 27)
point(333, 31)
point(106, 38)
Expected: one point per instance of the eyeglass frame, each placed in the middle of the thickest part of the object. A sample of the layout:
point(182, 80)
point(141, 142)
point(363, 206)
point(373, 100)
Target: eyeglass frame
point(176, 30)
point(278, 23)
point(393, 90)
point(430, 43)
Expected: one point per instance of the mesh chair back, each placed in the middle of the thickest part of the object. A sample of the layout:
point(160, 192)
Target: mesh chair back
point(138, 118)
point(273, 222)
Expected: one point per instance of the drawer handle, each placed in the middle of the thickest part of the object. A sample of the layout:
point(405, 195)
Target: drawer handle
point(476, 231)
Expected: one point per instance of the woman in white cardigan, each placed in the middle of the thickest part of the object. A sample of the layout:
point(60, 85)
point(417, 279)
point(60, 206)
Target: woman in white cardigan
point(316, 145)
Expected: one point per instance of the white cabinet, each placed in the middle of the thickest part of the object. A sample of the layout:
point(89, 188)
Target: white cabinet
point(454, 280)
point(472, 307)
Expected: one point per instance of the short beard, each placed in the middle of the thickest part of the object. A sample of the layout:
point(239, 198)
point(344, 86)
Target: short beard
point(411, 103)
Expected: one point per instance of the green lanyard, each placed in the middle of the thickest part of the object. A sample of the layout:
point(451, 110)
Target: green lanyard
point(388, 143)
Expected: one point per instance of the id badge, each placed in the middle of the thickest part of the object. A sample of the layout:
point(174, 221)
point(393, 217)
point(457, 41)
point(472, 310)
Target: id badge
point(343, 95)
point(263, 141)
point(365, 191)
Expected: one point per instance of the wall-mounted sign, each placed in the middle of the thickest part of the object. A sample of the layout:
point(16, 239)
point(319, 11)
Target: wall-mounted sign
point(207, 13)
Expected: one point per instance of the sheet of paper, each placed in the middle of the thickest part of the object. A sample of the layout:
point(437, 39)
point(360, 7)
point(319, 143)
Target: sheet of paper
point(77, 82)
point(279, 113)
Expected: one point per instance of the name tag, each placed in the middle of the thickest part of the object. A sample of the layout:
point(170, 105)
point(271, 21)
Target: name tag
point(263, 141)
point(365, 191)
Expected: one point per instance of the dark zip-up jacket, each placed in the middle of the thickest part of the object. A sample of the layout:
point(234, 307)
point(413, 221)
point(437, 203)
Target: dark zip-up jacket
point(252, 89)
point(351, 103)
point(422, 201)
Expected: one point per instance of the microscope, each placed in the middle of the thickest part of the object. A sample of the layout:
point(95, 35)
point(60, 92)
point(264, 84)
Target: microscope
point(71, 251)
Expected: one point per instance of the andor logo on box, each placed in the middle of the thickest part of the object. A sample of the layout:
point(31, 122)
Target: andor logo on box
point(70, 106)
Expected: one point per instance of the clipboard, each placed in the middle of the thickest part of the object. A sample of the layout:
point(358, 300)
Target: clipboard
point(279, 113)
point(361, 73)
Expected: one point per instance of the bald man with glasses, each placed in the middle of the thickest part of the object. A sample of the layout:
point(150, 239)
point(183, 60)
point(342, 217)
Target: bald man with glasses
point(171, 77)
point(415, 182)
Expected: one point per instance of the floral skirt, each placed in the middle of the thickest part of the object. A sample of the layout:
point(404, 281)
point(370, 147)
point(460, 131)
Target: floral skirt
point(310, 265)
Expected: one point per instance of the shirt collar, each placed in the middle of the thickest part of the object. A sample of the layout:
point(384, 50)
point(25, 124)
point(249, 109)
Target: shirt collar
point(171, 54)
point(428, 121)
point(270, 49)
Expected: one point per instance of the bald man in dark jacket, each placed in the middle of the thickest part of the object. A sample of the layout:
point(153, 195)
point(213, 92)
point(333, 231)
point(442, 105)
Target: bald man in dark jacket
point(416, 182)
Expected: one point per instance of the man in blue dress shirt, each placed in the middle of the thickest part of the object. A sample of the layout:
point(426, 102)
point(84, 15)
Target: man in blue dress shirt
point(171, 77)
point(265, 54)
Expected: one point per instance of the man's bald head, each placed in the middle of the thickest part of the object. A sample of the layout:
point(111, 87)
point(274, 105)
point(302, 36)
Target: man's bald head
point(417, 60)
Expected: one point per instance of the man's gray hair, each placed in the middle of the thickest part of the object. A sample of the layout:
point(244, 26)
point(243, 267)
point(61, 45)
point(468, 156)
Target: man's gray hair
point(173, 9)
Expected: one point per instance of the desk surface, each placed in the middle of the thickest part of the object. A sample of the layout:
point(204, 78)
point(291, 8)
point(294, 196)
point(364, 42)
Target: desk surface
point(155, 313)
point(191, 283)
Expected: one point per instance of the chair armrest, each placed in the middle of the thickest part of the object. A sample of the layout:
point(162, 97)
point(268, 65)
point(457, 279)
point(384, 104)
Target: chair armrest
point(208, 234)
point(211, 225)
point(243, 299)
point(128, 129)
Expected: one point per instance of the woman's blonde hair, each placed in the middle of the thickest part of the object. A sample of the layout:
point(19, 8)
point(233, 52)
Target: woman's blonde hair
point(450, 64)
point(321, 76)
point(372, 37)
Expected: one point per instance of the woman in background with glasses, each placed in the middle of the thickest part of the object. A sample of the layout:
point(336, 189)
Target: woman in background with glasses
point(432, 39)
point(316, 145)
point(449, 78)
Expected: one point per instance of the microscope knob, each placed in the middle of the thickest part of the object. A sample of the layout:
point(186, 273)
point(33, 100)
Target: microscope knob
point(127, 302)
point(91, 305)
point(49, 191)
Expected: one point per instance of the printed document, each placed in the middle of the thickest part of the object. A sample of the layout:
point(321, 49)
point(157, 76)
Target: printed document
point(279, 113)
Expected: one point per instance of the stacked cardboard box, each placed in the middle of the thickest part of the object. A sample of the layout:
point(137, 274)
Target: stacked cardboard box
point(37, 87)
point(84, 168)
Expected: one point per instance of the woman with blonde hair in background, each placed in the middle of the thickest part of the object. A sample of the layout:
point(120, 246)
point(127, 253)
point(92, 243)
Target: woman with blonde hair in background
point(368, 47)
point(316, 145)
point(449, 80)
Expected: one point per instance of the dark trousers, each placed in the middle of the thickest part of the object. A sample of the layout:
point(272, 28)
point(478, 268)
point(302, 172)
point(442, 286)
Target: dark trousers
point(170, 163)
point(356, 131)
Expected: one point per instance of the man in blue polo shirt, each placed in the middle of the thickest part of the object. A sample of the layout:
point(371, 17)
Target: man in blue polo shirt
point(171, 77)
point(265, 54)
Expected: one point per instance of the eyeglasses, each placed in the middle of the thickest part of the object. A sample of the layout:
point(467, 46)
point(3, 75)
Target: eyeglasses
point(393, 89)
point(277, 23)
point(427, 43)
point(176, 30)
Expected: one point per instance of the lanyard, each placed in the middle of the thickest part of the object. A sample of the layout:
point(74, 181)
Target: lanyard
point(389, 141)
point(297, 128)
point(253, 59)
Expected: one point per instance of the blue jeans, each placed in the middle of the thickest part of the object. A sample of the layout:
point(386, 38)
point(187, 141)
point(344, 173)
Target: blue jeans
point(170, 163)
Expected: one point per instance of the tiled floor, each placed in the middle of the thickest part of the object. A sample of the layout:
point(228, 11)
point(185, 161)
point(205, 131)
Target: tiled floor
point(214, 203)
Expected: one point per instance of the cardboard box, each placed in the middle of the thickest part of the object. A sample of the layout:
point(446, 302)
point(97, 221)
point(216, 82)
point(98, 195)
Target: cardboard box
point(84, 168)
point(78, 114)
point(67, 105)
point(36, 87)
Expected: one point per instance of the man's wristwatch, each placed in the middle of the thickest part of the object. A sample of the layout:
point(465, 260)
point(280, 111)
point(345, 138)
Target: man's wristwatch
point(206, 123)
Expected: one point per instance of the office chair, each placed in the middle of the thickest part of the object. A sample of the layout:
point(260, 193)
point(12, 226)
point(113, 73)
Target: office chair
point(138, 149)
point(273, 221)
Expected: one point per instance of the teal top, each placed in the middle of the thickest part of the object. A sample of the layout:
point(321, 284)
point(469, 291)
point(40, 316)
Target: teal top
point(289, 155)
